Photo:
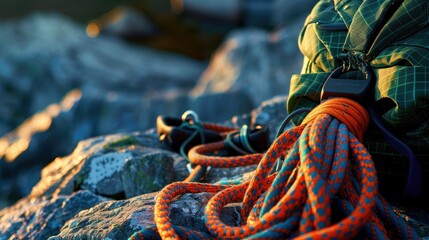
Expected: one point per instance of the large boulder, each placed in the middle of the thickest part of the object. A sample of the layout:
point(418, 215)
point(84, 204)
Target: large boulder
point(254, 61)
point(118, 166)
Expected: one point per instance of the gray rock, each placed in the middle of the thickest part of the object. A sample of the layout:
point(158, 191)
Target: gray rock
point(40, 218)
point(121, 165)
point(68, 121)
point(110, 166)
point(147, 173)
point(271, 113)
point(255, 62)
point(120, 219)
point(101, 92)
point(110, 219)
point(77, 117)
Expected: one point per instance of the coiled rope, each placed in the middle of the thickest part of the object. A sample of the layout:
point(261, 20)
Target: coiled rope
point(198, 156)
point(326, 187)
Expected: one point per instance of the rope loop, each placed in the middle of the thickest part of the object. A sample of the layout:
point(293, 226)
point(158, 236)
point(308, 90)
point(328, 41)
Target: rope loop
point(347, 111)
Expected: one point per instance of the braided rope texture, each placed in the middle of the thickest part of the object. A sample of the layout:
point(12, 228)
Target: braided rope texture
point(325, 189)
point(200, 170)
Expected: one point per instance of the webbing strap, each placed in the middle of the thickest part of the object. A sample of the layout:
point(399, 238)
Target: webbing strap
point(406, 85)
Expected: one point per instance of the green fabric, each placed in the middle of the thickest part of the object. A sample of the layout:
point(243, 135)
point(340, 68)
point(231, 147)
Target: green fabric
point(394, 38)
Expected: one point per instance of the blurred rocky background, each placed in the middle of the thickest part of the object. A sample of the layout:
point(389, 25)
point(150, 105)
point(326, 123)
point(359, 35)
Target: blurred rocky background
point(81, 83)
point(73, 70)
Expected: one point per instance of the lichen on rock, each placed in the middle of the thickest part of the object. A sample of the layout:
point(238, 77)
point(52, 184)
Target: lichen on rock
point(121, 143)
point(104, 171)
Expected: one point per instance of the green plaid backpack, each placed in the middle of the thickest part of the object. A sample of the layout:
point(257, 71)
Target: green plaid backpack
point(390, 37)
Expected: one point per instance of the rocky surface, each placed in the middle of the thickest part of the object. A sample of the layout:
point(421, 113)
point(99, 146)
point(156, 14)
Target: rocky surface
point(127, 165)
point(88, 91)
point(49, 54)
point(40, 218)
point(120, 219)
point(255, 62)
point(106, 188)
point(78, 87)
point(120, 167)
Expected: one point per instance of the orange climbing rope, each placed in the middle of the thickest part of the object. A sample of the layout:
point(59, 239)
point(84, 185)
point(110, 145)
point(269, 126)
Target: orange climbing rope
point(347, 111)
point(326, 187)
point(198, 156)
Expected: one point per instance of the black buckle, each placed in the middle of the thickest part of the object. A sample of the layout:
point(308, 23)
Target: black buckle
point(356, 89)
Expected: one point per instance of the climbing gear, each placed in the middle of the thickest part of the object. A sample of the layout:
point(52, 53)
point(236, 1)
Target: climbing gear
point(390, 38)
point(174, 131)
point(326, 187)
point(356, 89)
point(224, 145)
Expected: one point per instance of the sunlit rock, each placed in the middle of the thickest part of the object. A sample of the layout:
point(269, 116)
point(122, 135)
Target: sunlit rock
point(106, 86)
point(16, 142)
point(58, 129)
point(254, 61)
point(110, 166)
point(122, 21)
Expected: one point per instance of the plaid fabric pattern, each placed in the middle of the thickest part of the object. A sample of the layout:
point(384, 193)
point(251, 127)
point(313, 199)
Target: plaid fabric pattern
point(395, 40)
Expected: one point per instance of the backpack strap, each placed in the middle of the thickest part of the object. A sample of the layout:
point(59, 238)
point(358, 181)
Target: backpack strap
point(376, 25)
